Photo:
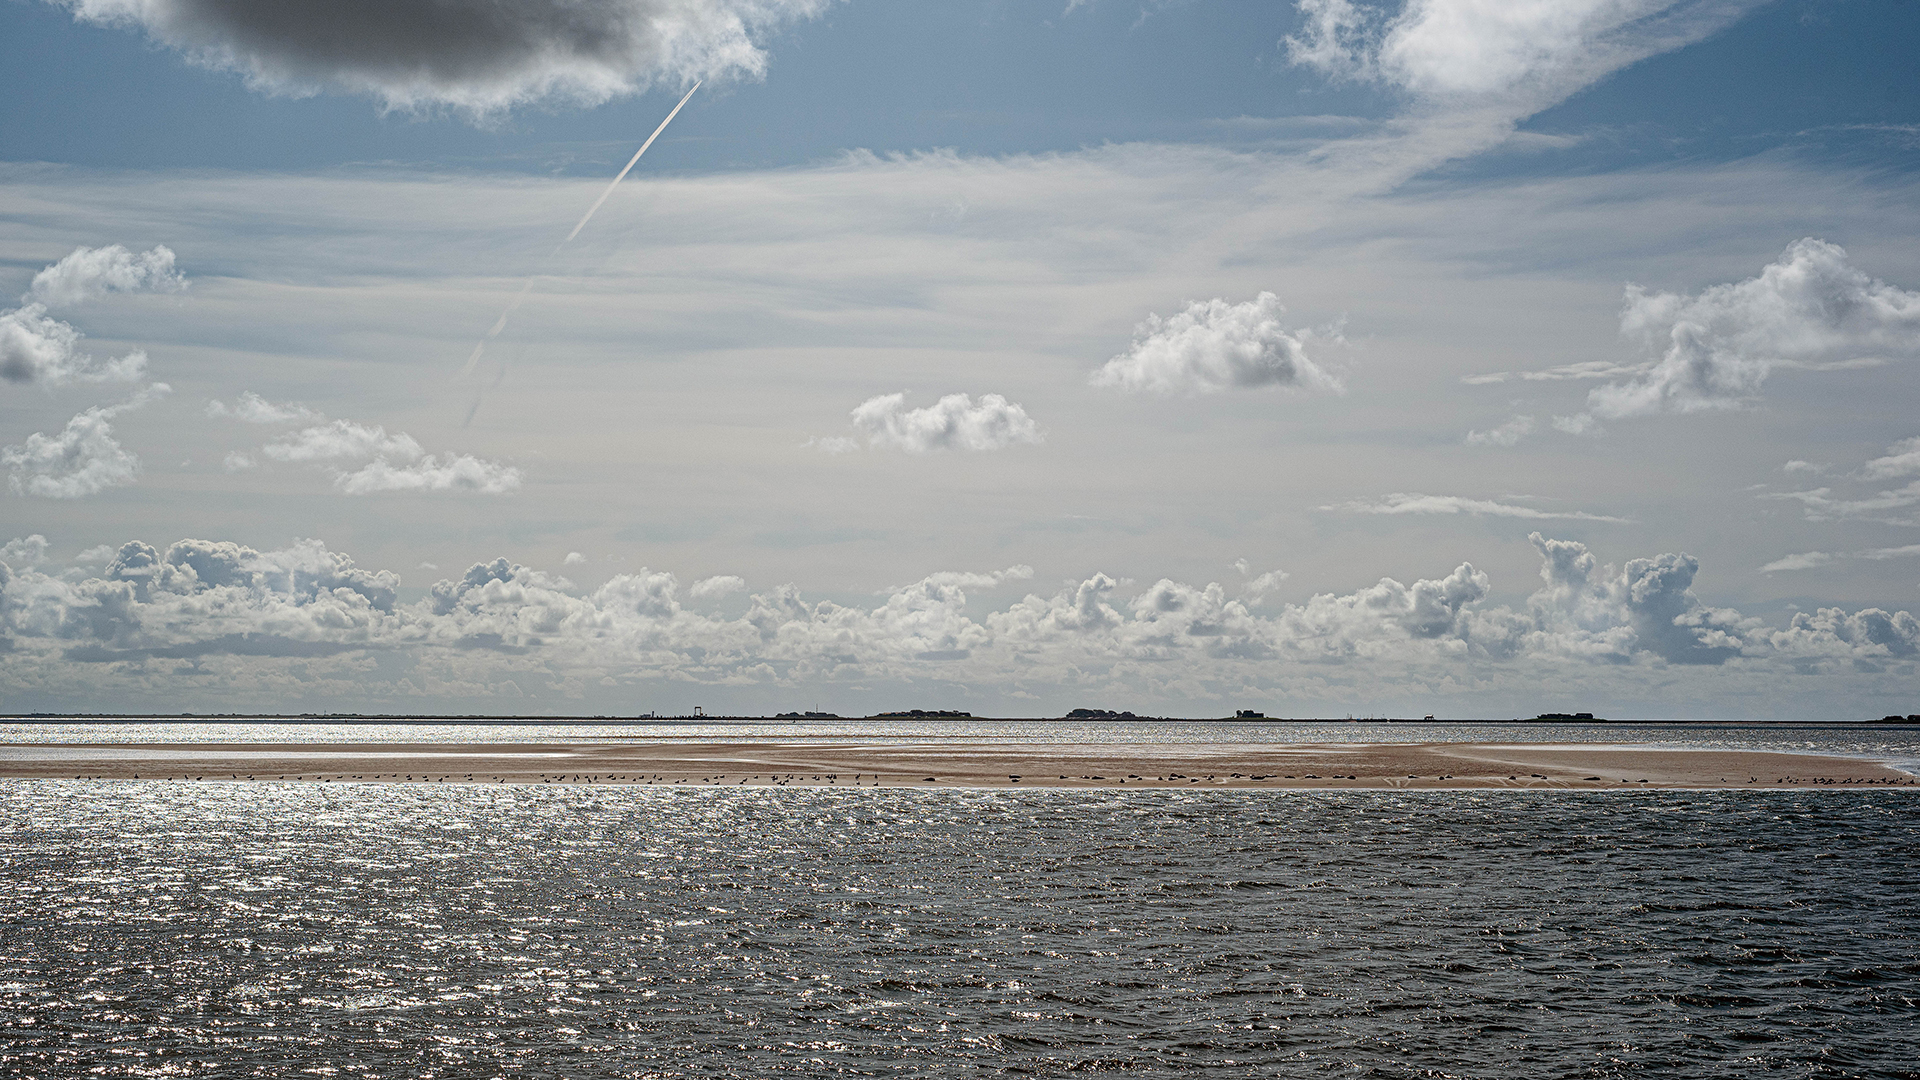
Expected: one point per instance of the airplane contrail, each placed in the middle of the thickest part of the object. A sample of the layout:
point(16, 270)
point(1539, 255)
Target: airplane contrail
point(501, 323)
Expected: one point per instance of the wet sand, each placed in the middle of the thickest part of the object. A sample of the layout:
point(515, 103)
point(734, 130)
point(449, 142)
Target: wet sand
point(1412, 766)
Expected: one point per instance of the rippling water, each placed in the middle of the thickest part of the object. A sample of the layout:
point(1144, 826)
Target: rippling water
point(152, 929)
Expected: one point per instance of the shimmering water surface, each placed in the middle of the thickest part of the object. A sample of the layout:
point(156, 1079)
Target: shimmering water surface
point(154, 929)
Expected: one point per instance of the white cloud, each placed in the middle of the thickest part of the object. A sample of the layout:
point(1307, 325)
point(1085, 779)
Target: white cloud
point(435, 472)
point(1214, 345)
point(1265, 583)
point(1820, 504)
point(90, 273)
point(718, 585)
point(1807, 560)
point(1455, 49)
point(1414, 503)
point(99, 553)
point(251, 408)
point(35, 347)
point(574, 558)
point(24, 552)
point(394, 462)
point(1798, 466)
point(84, 458)
point(955, 422)
point(1586, 369)
point(236, 461)
point(832, 444)
point(342, 439)
point(1507, 434)
point(1809, 308)
point(1474, 68)
point(1901, 459)
point(1577, 424)
point(477, 55)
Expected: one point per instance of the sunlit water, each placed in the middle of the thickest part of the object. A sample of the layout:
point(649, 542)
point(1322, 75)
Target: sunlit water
point(154, 929)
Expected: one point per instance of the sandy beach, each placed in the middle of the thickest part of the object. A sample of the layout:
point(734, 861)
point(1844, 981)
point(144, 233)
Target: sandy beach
point(957, 764)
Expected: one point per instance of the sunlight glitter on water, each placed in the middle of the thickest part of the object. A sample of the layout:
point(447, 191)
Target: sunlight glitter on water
point(220, 929)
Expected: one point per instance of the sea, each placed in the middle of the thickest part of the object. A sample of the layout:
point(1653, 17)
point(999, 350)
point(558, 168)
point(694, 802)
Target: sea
point(217, 929)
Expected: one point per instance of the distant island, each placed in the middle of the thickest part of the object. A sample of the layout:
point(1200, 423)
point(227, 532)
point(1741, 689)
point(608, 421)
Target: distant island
point(649, 718)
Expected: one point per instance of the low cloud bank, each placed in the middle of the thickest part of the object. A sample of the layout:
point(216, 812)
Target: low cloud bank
point(275, 614)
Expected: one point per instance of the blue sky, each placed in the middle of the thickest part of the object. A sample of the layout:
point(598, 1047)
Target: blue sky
point(1174, 357)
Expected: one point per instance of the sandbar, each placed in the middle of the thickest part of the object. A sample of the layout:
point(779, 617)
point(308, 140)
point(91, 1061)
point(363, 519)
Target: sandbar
point(769, 763)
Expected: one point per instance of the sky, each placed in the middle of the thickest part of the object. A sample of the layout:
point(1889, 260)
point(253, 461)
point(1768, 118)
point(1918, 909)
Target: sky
point(1322, 359)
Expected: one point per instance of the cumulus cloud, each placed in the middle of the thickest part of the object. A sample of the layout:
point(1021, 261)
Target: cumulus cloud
point(1214, 345)
point(90, 273)
point(476, 55)
point(24, 551)
point(1507, 434)
point(1265, 583)
point(84, 458)
point(305, 603)
point(718, 585)
point(395, 462)
point(1810, 308)
point(251, 408)
point(574, 558)
point(1415, 503)
point(35, 347)
point(342, 439)
point(955, 422)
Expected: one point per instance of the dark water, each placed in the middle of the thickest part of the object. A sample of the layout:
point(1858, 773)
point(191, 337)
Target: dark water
point(264, 930)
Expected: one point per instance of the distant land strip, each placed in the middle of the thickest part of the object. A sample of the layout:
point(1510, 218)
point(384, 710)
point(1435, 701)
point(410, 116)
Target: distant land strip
point(952, 764)
point(644, 719)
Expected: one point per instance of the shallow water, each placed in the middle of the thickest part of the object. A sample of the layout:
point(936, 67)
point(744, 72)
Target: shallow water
point(152, 929)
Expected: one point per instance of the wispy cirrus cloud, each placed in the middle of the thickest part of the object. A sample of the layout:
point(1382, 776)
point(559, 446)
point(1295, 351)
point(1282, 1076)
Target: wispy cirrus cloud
point(1414, 503)
point(1808, 560)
